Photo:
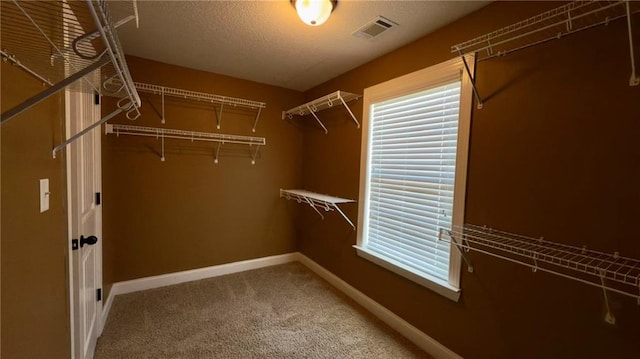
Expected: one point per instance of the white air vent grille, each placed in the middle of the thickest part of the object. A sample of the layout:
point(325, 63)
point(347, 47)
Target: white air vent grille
point(375, 28)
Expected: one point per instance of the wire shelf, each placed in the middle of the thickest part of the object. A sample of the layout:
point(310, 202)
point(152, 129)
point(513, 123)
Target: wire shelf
point(611, 271)
point(323, 103)
point(162, 133)
point(316, 200)
point(53, 40)
point(205, 97)
point(199, 96)
point(69, 44)
point(553, 24)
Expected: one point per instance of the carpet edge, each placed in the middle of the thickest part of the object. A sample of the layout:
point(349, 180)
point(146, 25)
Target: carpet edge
point(163, 280)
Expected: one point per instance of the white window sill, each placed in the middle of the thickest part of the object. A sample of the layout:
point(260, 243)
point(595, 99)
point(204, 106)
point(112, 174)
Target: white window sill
point(435, 284)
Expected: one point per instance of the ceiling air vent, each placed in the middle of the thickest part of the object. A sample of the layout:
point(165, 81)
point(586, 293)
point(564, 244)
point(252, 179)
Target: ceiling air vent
point(375, 28)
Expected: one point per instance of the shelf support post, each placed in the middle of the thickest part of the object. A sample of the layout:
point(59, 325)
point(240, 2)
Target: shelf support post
point(310, 202)
point(350, 113)
point(471, 79)
point(219, 116)
point(254, 155)
point(255, 122)
point(162, 136)
point(215, 160)
point(162, 120)
point(317, 119)
point(635, 79)
point(608, 317)
point(344, 215)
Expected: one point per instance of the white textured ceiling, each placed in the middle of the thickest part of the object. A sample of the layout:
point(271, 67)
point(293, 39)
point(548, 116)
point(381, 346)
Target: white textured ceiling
point(264, 41)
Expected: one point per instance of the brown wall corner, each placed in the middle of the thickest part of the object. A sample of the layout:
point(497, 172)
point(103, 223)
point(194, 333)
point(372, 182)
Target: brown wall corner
point(188, 212)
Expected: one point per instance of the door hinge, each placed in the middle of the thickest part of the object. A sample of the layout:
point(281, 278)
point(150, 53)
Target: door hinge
point(96, 99)
point(97, 198)
point(74, 244)
point(98, 294)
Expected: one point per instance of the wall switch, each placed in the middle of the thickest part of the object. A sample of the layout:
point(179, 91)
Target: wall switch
point(44, 195)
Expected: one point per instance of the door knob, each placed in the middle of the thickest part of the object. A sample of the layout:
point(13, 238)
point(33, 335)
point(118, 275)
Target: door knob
point(91, 240)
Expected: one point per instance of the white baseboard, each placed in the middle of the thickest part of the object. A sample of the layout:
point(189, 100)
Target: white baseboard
point(106, 307)
point(410, 332)
point(164, 280)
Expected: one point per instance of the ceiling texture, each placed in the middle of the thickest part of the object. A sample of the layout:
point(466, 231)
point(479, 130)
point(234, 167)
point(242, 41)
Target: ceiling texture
point(266, 42)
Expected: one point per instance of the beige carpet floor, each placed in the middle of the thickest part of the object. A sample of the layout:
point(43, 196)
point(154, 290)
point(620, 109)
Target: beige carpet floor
point(283, 311)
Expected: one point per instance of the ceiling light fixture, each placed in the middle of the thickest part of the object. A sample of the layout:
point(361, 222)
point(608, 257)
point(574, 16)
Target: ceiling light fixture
point(314, 12)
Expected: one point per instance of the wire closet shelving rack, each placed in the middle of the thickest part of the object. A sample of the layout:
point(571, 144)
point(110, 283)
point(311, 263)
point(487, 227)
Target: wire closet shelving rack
point(323, 103)
point(220, 100)
point(69, 44)
point(163, 133)
point(611, 272)
point(317, 200)
point(554, 24)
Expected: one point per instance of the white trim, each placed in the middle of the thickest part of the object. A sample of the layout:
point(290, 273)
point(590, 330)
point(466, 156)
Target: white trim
point(419, 80)
point(106, 308)
point(435, 284)
point(70, 253)
point(97, 138)
point(422, 340)
point(164, 280)
point(462, 164)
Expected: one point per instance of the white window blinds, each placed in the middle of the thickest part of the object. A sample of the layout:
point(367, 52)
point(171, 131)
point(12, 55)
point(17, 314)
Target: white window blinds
point(412, 164)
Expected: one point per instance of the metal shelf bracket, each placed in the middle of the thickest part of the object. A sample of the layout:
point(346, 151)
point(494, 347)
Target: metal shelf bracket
point(472, 78)
point(462, 250)
point(634, 80)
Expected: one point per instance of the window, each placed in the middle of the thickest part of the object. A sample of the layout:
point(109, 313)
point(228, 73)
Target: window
point(413, 173)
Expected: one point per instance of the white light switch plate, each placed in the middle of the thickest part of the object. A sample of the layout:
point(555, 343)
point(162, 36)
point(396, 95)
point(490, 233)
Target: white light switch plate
point(44, 195)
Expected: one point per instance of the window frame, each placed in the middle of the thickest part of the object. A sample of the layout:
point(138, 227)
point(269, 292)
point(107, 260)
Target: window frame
point(421, 80)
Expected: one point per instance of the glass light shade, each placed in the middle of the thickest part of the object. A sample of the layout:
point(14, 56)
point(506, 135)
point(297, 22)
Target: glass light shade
point(314, 12)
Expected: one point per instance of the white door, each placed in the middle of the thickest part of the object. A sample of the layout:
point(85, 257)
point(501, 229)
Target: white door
point(85, 223)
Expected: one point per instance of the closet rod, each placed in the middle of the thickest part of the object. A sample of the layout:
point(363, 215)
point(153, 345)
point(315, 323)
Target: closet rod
point(89, 128)
point(43, 95)
point(45, 32)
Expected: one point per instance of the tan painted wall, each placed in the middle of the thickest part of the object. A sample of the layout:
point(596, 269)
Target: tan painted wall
point(35, 316)
point(553, 154)
point(187, 212)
